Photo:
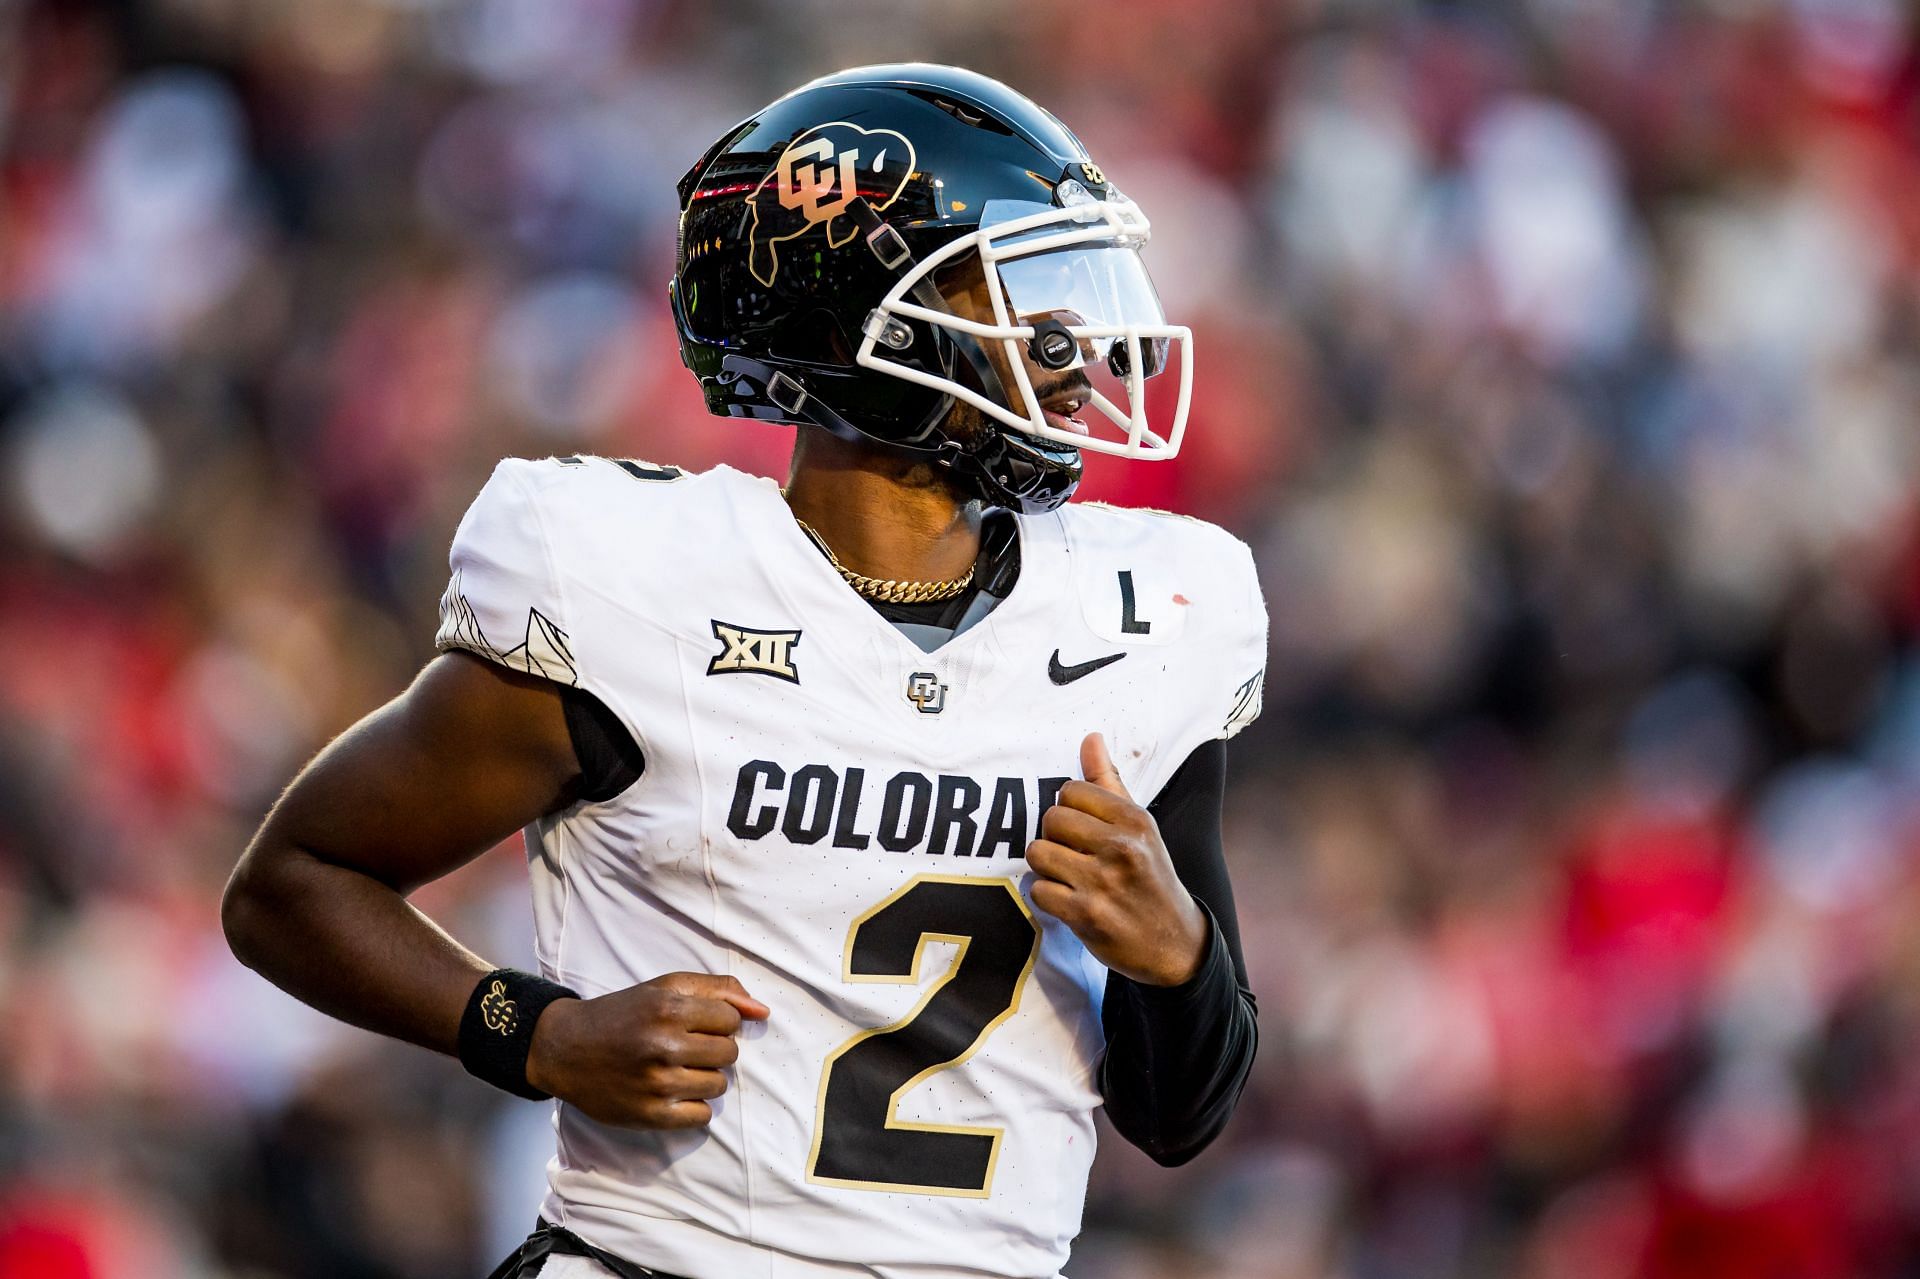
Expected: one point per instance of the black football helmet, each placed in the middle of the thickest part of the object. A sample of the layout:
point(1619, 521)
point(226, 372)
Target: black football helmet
point(803, 286)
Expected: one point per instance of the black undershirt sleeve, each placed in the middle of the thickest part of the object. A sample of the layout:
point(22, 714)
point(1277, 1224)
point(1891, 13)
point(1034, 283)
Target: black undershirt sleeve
point(1178, 1056)
point(609, 758)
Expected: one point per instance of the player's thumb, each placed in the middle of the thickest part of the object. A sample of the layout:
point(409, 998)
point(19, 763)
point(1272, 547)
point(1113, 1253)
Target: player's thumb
point(1096, 765)
point(721, 987)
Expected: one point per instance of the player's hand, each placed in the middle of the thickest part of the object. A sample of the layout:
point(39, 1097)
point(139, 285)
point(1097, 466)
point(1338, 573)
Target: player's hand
point(1101, 869)
point(649, 1056)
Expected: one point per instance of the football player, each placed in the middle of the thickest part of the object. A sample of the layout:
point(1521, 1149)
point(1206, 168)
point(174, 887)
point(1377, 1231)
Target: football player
point(873, 822)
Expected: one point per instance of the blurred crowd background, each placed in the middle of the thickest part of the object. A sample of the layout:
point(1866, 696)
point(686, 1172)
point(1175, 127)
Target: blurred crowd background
point(1560, 359)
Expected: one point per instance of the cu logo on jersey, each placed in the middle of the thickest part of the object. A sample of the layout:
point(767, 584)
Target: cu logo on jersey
point(818, 175)
point(926, 692)
point(746, 651)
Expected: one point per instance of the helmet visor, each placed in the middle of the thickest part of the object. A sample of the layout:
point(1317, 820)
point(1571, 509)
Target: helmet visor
point(1098, 288)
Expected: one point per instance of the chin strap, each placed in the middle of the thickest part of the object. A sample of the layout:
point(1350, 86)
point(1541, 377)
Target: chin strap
point(757, 384)
point(769, 394)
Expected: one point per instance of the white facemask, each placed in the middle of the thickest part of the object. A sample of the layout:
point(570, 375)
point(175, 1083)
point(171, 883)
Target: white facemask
point(1059, 274)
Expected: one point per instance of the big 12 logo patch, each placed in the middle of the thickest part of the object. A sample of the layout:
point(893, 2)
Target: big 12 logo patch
point(816, 178)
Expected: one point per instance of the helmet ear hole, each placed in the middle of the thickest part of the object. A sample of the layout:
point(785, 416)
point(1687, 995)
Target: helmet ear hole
point(836, 340)
point(815, 337)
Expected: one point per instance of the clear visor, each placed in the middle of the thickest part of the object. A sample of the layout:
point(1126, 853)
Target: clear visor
point(1096, 287)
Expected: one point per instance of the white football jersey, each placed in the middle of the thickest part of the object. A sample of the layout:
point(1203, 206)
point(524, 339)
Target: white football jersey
point(840, 820)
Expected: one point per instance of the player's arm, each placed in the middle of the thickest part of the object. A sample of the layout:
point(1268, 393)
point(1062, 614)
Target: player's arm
point(468, 755)
point(462, 759)
point(1146, 890)
point(1178, 1057)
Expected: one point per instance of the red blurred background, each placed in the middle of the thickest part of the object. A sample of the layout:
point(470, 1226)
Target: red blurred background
point(1560, 359)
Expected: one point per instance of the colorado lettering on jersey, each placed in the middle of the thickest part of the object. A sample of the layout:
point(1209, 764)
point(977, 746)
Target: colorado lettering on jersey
point(908, 813)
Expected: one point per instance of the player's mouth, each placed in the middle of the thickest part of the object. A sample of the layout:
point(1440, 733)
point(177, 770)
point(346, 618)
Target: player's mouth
point(1059, 411)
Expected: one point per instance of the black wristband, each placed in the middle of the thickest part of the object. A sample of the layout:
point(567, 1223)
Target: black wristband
point(496, 1031)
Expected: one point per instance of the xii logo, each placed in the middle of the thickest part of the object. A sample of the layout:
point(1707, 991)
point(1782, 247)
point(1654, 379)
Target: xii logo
point(746, 651)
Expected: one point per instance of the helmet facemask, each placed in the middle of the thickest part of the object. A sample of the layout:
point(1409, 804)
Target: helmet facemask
point(1067, 292)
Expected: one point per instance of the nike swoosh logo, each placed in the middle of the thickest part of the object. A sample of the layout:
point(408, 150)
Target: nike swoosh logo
point(1067, 674)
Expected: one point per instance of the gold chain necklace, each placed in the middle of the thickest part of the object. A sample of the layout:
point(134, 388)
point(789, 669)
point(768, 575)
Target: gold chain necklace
point(889, 590)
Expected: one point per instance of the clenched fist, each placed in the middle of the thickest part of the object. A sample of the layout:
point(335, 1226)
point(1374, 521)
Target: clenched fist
point(1101, 869)
point(649, 1056)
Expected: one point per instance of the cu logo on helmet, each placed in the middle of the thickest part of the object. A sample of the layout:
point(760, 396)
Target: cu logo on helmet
point(926, 692)
point(817, 176)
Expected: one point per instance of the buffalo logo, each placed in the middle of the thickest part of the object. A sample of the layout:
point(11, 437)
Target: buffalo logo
point(926, 692)
point(745, 651)
point(498, 1011)
point(816, 178)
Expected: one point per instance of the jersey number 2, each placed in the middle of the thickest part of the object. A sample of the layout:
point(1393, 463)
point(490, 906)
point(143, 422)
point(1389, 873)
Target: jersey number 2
point(858, 1140)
